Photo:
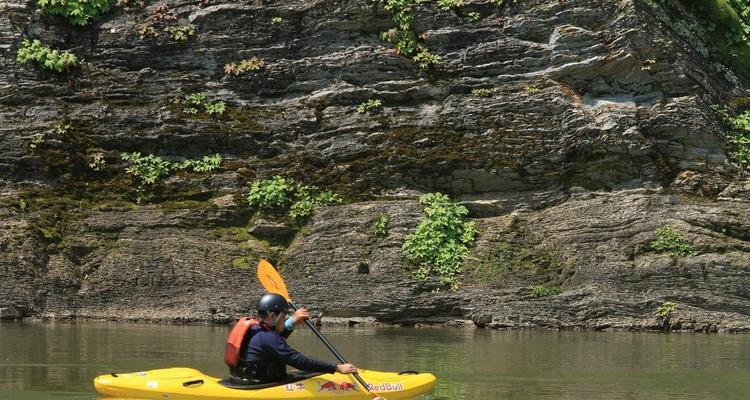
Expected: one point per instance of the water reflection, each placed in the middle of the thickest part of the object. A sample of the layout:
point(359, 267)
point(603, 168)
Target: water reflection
point(58, 360)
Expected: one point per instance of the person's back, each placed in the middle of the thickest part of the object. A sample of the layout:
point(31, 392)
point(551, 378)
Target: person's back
point(268, 353)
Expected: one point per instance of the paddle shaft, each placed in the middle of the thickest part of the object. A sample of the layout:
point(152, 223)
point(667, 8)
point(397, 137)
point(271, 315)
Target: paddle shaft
point(330, 347)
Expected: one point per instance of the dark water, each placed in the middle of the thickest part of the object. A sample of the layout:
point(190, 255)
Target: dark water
point(58, 361)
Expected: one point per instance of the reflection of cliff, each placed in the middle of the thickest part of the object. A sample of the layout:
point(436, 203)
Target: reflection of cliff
point(594, 128)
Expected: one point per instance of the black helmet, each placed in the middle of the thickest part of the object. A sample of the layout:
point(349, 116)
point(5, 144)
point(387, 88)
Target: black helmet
point(272, 302)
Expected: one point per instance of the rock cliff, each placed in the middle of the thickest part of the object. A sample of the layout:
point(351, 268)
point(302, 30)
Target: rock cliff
point(591, 128)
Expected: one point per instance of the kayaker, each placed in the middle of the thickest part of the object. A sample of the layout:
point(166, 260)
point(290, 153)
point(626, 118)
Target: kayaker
point(268, 353)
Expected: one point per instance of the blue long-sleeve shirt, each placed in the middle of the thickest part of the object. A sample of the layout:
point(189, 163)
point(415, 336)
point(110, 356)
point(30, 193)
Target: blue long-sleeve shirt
point(268, 353)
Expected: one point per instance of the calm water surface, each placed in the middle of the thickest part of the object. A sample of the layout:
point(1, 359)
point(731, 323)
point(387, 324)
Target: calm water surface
point(59, 360)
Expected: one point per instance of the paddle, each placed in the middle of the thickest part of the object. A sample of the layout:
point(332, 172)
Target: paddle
point(272, 282)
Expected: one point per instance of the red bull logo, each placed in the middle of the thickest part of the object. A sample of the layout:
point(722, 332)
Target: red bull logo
point(346, 386)
point(328, 386)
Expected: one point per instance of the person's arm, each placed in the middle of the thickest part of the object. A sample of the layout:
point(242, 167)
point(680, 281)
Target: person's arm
point(280, 349)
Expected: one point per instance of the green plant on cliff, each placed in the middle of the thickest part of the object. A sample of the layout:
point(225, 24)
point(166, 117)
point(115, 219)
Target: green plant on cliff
point(727, 24)
point(442, 239)
point(671, 242)
point(403, 37)
point(181, 33)
point(197, 102)
point(45, 57)
point(664, 314)
point(380, 226)
point(78, 12)
point(244, 66)
point(306, 202)
point(148, 170)
point(282, 192)
point(369, 105)
point(740, 138)
point(269, 193)
point(545, 291)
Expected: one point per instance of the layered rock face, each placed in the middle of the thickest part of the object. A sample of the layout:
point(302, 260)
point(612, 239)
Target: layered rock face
point(596, 129)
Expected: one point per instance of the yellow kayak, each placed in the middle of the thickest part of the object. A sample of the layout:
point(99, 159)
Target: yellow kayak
point(191, 384)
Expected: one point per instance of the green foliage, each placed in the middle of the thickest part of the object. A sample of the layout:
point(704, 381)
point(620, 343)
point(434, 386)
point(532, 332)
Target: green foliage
point(664, 311)
point(216, 108)
point(305, 202)
point(380, 226)
point(36, 141)
point(404, 38)
point(146, 169)
point(727, 23)
point(671, 242)
point(78, 12)
point(238, 68)
point(442, 239)
point(279, 192)
point(740, 137)
point(195, 102)
point(22, 205)
point(531, 89)
point(545, 291)
point(482, 92)
point(369, 105)
point(473, 16)
point(276, 20)
point(45, 57)
point(97, 162)
point(205, 164)
point(448, 5)
point(150, 169)
point(268, 193)
point(181, 33)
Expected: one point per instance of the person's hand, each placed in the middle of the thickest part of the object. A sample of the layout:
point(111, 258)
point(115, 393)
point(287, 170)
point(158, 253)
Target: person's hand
point(346, 368)
point(300, 316)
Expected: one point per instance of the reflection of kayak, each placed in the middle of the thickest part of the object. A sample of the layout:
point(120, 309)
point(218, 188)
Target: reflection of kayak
point(188, 384)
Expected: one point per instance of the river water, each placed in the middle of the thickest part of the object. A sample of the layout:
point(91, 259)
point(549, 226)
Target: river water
point(59, 360)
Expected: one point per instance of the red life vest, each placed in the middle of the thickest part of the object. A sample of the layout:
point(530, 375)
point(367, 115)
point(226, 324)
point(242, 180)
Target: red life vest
point(237, 340)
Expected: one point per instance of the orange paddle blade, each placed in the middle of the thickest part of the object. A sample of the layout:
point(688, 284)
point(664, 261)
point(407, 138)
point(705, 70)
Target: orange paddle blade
point(271, 280)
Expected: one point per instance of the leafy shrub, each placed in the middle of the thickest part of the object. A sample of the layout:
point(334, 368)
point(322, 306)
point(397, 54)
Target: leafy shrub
point(740, 137)
point(181, 33)
point(36, 141)
point(380, 226)
point(279, 191)
point(531, 89)
point(45, 57)
point(276, 20)
point(448, 5)
point(97, 162)
point(195, 102)
point(146, 169)
point(306, 202)
point(671, 242)
point(403, 37)
point(483, 92)
point(78, 12)
point(239, 68)
point(473, 16)
point(442, 240)
point(664, 314)
point(274, 192)
point(369, 105)
point(544, 291)
point(150, 169)
point(205, 164)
